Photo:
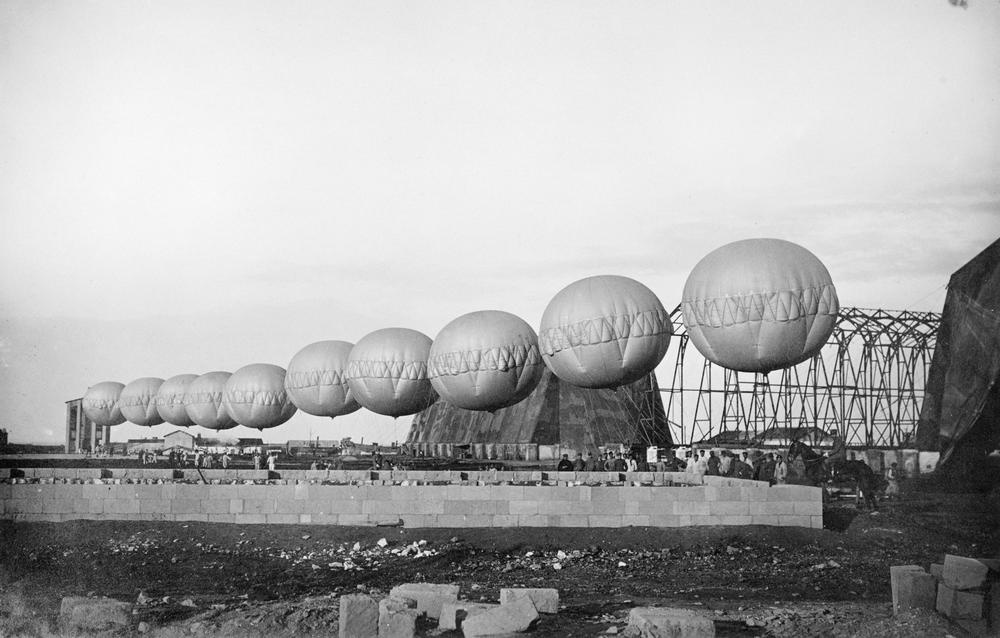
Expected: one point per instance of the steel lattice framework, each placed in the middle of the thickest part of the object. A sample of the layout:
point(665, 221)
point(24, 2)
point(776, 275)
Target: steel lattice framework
point(867, 381)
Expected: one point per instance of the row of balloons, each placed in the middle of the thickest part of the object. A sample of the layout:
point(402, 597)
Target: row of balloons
point(754, 305)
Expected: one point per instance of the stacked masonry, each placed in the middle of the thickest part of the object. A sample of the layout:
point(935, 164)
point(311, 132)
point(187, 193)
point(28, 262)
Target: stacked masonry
point(412, 499)
point(364, 616)
point(966, 590)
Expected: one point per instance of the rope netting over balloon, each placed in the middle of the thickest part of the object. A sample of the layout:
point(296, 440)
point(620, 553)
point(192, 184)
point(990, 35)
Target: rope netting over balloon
point(867, 382)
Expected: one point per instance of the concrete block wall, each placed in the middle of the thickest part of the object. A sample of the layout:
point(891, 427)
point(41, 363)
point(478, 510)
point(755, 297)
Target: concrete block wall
point(411, 499)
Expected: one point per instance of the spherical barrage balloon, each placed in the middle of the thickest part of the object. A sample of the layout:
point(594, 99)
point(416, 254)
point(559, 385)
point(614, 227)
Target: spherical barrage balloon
point(170, 400)
point(758, 305)
point(316, 380)
point(387, 372)
point(100, 403)
point(138, 401)
point(255, 396)
point(203, 401)
point(604, 332)
point(485, 360)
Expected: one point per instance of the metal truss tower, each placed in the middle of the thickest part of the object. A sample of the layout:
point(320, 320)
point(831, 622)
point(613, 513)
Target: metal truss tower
point(867, 381)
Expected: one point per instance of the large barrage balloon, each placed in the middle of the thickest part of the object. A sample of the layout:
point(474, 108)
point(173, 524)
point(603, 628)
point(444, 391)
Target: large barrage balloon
point(255, 396)
point(203, 401)
point(485, 360)
point(100, 403)
point(170, 400)
point(758, 305)
point(138, 401)
point(604, 332)
point(316, 380)
point(387, 372)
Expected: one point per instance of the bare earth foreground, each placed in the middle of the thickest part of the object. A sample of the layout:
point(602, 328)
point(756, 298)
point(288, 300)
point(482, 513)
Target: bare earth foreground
point(284, 580)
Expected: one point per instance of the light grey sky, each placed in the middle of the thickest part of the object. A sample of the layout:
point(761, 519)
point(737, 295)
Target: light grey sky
point(193, 186)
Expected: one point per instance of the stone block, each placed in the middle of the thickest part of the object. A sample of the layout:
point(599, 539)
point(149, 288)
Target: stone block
point(88, 615)
point(964, 573)
point(729, 508)
point(453, 614)
point(773, 508)
point(665, 622)
point(795, 521)
point(359, 616)
point(429, 596)
point(956, 604)
point(937, 569)
point(397, 618)
point(692, 508)
point(604, 521)
point(545, 600)
point(517, 616)
point(258, 506)
point(724, 494)
point(809, 508)
point(912, 588)
point(978, 628)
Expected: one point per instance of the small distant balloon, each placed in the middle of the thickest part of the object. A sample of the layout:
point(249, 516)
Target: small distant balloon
point(138, 401)
point(255, 396)
point(170, 400)
point(758, 305)
point(387, 372)
point(485, 360)
point(604, 332)
point(316, 379)
point(100, 403)
point(203, 401)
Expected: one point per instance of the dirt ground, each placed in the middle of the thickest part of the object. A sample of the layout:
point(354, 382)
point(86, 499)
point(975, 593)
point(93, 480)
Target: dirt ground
point(195, 579)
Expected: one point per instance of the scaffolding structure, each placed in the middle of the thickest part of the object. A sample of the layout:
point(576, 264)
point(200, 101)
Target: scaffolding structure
point(867, 382)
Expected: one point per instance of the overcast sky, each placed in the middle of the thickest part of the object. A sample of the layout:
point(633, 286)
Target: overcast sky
point(196, 186)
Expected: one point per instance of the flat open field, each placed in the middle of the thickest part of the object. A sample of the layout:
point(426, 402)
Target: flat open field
point(283, 580)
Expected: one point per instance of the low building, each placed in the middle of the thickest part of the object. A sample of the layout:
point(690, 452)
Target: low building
point(179, 440)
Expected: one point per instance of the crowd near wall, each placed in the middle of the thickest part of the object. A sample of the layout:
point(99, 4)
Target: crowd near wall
point(405, 498)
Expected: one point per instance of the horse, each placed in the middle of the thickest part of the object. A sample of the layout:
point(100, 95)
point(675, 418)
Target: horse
point(818, 472)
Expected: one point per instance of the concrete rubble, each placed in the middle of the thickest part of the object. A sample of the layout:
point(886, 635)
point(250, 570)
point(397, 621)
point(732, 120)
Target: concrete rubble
point(666, 622)
point(429, 597)
point(912, 588)
point(397, 618)
point(81, 614)
point(454, 614)
point(514, 617)
point(410, 606)
point(545, 600)
point(965, 590)
point(359, 616)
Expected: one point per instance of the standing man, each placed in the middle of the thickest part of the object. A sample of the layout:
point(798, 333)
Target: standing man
point(838, 453)
point(780, 471)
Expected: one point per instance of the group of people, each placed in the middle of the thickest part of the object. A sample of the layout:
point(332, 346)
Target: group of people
point(198, 459)
point(768, 467)
point(607, 462)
